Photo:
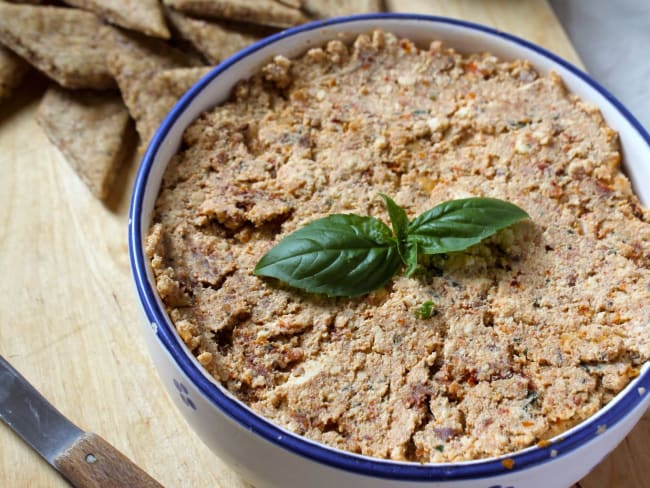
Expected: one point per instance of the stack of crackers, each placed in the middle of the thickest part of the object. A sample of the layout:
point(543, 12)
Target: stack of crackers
point(113, 61)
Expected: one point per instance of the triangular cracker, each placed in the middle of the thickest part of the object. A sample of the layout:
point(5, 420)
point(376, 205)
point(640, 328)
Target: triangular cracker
point(12, 70)
point(68, 45)
point(145, 16)
point(135, 62)
point(263, 12)
point(90, 129)
point(292, 3)
point(323, 9)
point(216, 41)
point(160, 96)
point(136, 58)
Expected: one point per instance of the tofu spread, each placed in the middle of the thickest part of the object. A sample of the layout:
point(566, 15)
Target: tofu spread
point(482, 352)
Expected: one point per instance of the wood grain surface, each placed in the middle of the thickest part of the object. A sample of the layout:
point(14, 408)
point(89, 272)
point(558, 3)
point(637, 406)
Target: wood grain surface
point(68, 319)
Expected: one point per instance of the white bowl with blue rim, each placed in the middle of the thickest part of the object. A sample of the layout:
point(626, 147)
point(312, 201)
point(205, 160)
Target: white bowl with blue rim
point(269, 456)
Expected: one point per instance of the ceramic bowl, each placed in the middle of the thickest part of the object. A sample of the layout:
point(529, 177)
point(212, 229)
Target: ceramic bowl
point(270, 456)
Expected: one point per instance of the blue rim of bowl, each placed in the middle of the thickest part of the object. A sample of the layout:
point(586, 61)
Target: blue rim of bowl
point(377, 468)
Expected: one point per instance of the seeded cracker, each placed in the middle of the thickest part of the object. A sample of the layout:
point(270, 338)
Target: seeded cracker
point(163, 91)
point(12, 70)
point(263, 12)
point(216, 41)
point(68, 45)
point(331, 8)
point(90, 129)
point(134, 61)
point(145, 16)
point(292, 3)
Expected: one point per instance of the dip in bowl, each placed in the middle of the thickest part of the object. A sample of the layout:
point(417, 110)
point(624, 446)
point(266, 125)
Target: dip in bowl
point(269, 455)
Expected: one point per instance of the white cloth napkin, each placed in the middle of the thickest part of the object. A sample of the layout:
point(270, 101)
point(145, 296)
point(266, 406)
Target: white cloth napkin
point(613, 41)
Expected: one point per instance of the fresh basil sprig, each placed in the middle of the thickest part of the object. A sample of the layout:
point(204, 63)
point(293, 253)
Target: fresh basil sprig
point(350, 255)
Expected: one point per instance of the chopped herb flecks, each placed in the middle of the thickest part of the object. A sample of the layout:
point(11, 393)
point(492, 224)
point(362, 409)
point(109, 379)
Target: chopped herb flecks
point(426, 310)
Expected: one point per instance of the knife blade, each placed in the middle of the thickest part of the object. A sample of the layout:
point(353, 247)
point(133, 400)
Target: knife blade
point(83, 458)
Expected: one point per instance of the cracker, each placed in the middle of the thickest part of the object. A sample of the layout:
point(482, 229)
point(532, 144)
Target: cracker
point(324, 9)
point(145, 16)
point(215, 40)
point(68, 45)
point(134, 58)
point(12, 70)
point(263, 12)
point(90, 128)
point(292, 3)
point(135, 62)
point(160, 96)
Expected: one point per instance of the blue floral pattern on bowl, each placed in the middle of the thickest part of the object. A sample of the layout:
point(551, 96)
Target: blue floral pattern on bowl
point(185, 394)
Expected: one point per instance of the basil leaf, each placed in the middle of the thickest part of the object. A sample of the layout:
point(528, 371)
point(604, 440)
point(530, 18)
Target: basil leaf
point(398, 217)
point(458, 224)
point(412, 252)
point(399, 221)
point(339, 255)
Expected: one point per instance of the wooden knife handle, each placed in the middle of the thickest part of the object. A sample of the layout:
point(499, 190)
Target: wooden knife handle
point(91, 462)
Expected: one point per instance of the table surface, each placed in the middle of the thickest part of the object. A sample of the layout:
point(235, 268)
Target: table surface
point(68, 313)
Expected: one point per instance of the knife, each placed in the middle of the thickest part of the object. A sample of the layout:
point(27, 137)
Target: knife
point(83, 458)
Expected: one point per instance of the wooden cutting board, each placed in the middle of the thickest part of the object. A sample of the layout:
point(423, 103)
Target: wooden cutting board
point(68, 317)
